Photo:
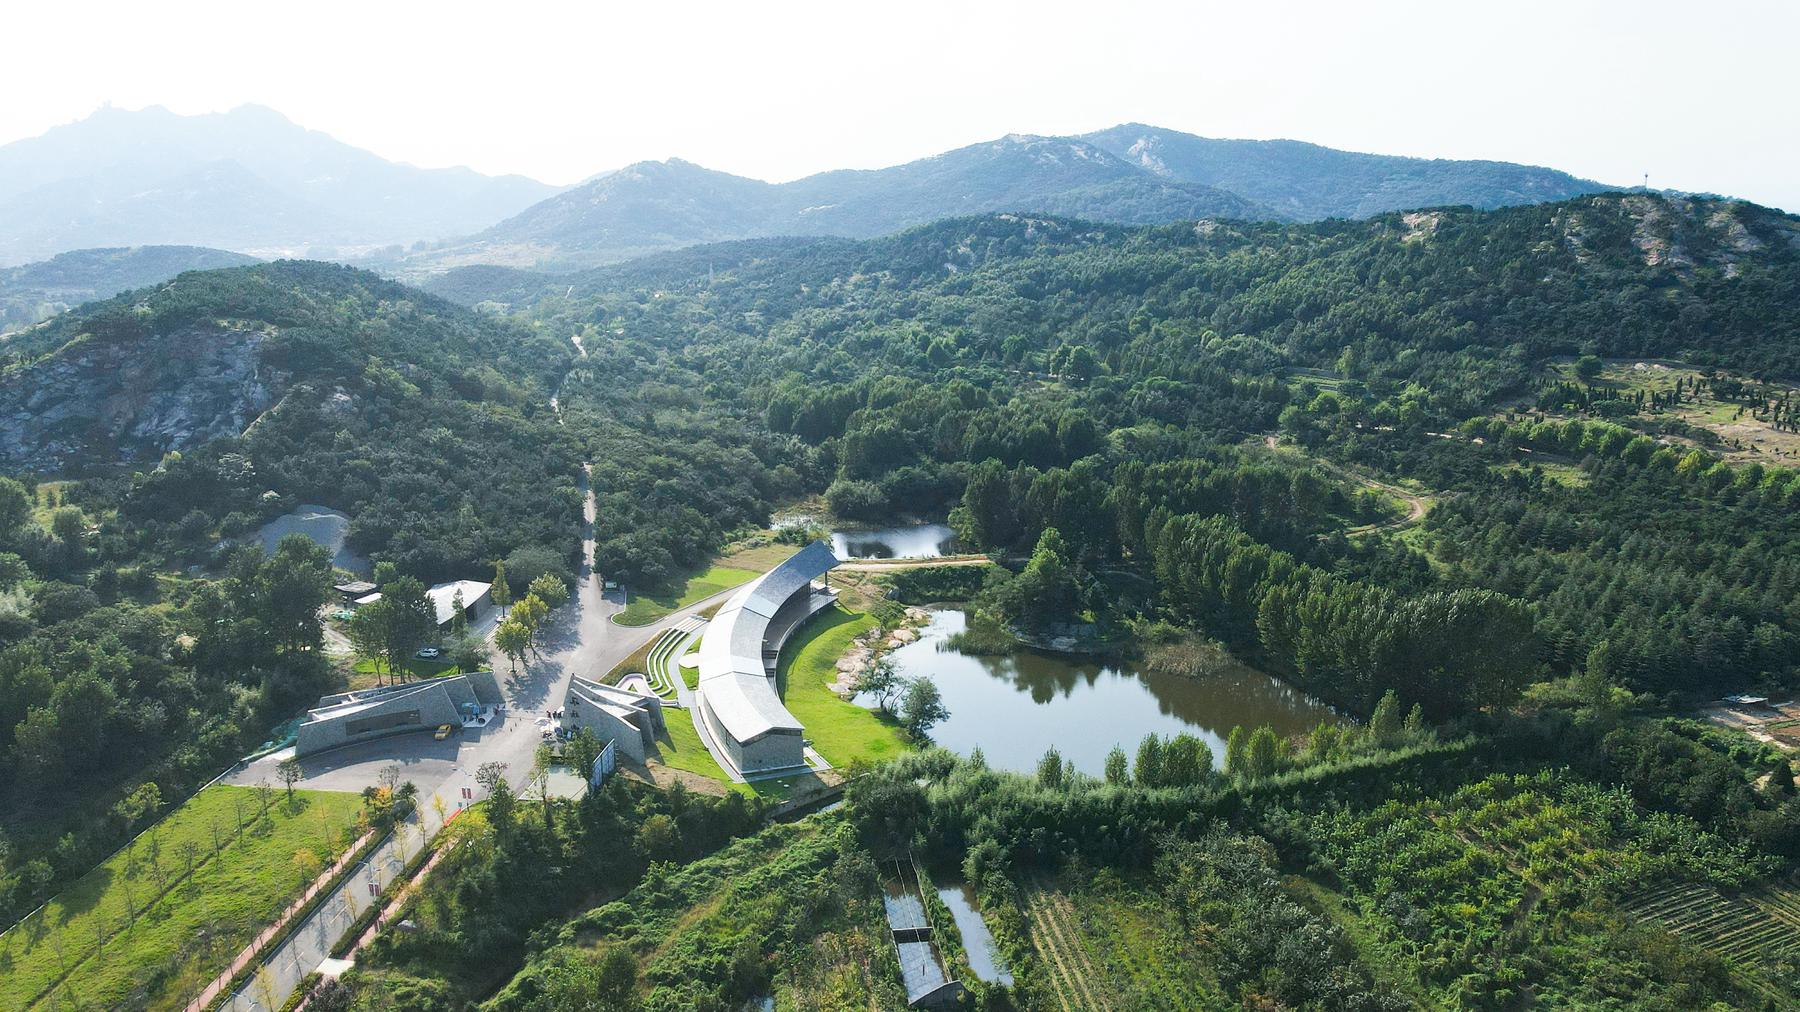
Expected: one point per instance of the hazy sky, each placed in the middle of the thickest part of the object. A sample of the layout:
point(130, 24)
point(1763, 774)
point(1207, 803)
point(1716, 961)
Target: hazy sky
point(1701, 96)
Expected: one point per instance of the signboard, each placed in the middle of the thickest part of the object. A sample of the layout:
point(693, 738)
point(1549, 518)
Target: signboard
point(603, 765)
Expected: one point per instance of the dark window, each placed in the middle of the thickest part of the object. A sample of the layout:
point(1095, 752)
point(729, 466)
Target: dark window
point(381, 722)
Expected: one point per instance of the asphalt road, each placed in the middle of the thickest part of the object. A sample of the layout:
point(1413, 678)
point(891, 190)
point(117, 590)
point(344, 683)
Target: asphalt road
point(583, 640)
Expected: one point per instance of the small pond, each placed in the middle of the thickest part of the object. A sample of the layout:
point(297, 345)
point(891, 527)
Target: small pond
point(910, 541)
point(978, 942)
point(1015, 708)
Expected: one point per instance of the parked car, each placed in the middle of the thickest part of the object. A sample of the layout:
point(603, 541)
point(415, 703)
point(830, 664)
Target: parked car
point(443, 732)
point(429, 653)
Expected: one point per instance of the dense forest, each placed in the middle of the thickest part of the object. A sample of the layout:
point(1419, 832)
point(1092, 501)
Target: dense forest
point(1118, 386)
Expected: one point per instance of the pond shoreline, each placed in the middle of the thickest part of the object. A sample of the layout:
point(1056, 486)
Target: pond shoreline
point(1016, 706)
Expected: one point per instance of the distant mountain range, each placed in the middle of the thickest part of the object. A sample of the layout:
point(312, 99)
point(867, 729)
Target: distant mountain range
point(250, 180)
point(1306, 182)
point(247, 180)
point(1129, 175)
point(37, 291)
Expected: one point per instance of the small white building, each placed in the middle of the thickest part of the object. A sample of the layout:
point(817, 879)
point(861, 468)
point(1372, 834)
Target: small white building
point(476, 598)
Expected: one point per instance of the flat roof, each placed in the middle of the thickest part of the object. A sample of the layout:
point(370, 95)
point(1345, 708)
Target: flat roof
point(733, 677)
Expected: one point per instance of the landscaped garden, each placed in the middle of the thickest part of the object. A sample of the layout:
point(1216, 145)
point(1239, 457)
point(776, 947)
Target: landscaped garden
point(153, 923)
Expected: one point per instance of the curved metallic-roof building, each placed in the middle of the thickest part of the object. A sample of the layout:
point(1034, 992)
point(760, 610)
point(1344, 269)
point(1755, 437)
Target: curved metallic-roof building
point(738, 700)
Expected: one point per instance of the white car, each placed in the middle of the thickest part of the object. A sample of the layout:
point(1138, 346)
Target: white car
point(429, 654)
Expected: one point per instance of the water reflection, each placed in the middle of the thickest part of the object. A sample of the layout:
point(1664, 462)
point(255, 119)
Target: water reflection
point(913, 541)
point(1083, 707)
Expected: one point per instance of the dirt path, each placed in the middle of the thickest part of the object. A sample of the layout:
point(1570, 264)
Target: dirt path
point(890, 565)
point(1416, 505)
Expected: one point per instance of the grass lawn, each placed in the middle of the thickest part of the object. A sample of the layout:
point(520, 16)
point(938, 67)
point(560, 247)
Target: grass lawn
point(644, 609)
point(690, 674)
point(680, 747)
point(841, 731)
point(416, 668)
point(187, 927)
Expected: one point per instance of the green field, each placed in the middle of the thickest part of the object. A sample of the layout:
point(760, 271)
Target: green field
point(644, 609)
point(842, 732)
point(87, 943)
point(416, 668)
point(681, 748)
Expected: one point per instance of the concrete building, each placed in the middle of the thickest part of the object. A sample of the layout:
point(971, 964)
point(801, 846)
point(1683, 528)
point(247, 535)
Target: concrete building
point(630, 720)
point(346, 718)
point(475, 597)
point(737, 698)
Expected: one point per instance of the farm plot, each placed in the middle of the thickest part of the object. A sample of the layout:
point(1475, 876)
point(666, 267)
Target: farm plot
point(1056, 935)
point(1758, 926)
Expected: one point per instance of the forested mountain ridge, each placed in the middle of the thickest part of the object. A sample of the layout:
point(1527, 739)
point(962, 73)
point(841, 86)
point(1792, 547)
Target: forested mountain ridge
point(1513, 284)
point(318, 382)
point(1306, 182)
point(653, 206)
point(1129, 175)
point(248, 180)
point(34, 292)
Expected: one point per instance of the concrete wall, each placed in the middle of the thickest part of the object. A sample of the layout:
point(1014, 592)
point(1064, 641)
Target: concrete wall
point(627, 738)
point(438, 701)
point(424, 708)
point(486, 687)
point(631, 720)
point(770, 752)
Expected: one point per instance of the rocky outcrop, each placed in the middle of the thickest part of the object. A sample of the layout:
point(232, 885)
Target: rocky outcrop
point(124, 400)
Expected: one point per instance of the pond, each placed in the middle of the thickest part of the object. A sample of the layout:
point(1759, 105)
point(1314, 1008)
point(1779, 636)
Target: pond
point(910, 541)
point(1015, 708)
point(977, 940)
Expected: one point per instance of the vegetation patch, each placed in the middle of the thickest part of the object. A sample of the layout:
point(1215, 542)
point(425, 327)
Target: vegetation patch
point(149, 927)
point(644, 609)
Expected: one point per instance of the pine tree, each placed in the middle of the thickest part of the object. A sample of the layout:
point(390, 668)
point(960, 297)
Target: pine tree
point(1118, 772)
point(1384, 723)
point(1235, 767)
point(1782, 780)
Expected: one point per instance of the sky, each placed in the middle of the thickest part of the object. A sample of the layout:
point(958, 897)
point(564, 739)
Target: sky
point(773, 90)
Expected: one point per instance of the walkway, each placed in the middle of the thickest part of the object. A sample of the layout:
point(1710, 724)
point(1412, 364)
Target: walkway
point(249, 952)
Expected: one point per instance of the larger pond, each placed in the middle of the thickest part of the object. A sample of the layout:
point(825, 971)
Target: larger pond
point(912, 541)
point(1015, 708)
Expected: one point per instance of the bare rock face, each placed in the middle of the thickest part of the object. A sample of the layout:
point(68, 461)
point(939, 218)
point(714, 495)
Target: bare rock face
point(122, 400)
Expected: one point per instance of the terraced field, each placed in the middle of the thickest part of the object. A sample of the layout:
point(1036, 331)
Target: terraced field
point(1758, 926)
point(1056, 935)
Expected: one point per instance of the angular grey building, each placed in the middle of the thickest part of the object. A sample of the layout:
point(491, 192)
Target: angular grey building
point(737, 697)
point(630, 720)
point(346, 718)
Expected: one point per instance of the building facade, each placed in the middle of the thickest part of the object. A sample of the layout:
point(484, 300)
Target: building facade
point(346, 718)
point(737, 698)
